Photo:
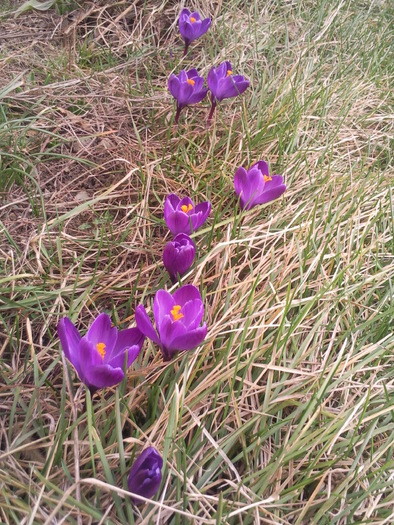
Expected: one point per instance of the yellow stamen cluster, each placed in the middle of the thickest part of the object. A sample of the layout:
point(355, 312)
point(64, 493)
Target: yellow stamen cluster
point(101, 349)
point(267, 178)
point(192, 19)
point(191, 81)
point(229, 72)
point(176, 313)
point(187, 208)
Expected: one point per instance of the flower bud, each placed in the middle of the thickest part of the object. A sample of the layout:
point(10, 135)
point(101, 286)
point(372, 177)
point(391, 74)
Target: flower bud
point(145, 474)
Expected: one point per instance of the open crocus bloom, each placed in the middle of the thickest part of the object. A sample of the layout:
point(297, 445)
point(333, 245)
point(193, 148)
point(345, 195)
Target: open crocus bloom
point(187, 88)
point(100, 355)
point(192, 27)
point(145, 474)
point(257, 186)
point(178, 317)
point(182, 216)
point(223, 84)
point(178, 255)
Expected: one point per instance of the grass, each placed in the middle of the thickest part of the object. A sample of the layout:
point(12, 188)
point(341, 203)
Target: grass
point(285, 414)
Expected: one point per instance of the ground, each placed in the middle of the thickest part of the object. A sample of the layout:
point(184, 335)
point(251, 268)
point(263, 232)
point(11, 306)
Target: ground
point(284, 413)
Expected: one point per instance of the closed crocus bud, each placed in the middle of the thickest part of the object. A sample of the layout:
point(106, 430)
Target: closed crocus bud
point(187, 88)
point(145, 474)
point(192, 27)
point(178, 255)
point(223, 84)
point(257, 186)
point(100, 355)
point(182, 216)
point(177, 317)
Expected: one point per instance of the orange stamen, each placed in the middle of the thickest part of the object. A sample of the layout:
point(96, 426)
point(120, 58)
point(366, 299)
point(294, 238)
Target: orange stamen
point(191, 81)
point(267, 178)
point(186, 208)
point(175, 312)
point(192, 19)
point(101, 349)
point(229, 72)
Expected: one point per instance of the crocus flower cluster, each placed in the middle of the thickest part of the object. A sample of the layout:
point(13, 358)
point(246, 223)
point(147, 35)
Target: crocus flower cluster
point(188, 87)
point(102, 356)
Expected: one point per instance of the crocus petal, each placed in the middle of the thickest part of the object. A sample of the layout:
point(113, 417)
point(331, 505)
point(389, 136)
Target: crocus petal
point(186, 201)
point(101, 332)
point(193, 312)
point(253, 187)
point(212, 80)
point(185, 13)
point(193, 74)
point(69, 339)
point(173, 200)
point(221, 71)
point(186, 293)
point(270, 194)
point(169, 330)
point(240, 179)
point(130, 341)
point(187, 31)
point(198, 96)
point(174, 85)
point(196, 16)
point(202, 211)
point(262, 166)
point(162, 305)
point(229, 88)
point(178, 222)
point(205, 25)
point(88, 354)
point(145, 324)
point(118, 360)
point(190, 339)
point(127, 338)
point(103, 376)
point(185, 92)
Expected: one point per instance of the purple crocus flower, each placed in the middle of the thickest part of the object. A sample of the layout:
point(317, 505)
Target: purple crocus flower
point(145, 474)
point(182, 216)
point(257, 186)
point(178, 317)
point(192, 27)
point(187, 88)
point(99, 356)
point(223, 84)
point(178, 255)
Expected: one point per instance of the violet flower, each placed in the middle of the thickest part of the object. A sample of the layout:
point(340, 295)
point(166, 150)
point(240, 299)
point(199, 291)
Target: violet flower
point(223, 84)
point(99, 356)
point(145, 474)
point(192, 27)
point(182, 216)
point(178, 255)
point(178, 317)
point(257, 186)
point(187, 88)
